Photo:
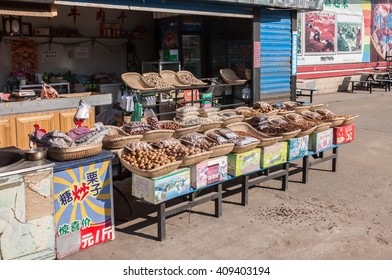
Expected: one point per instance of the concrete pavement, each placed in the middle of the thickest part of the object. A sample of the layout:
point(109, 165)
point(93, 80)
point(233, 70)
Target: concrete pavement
point(342, 215)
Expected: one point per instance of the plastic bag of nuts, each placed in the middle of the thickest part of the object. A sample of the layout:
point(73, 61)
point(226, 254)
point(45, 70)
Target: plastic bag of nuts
point(152, 119)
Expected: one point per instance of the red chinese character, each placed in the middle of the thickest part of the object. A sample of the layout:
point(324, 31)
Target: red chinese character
point(80, 193)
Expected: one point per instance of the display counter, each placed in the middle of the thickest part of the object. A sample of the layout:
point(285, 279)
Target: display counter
point(17, 118)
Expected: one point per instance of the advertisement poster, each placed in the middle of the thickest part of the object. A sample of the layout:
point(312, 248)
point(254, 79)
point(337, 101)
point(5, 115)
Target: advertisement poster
point(83, 208)
point(320, 32)
point(381, 29)
point(335, 35)
point(350, 34)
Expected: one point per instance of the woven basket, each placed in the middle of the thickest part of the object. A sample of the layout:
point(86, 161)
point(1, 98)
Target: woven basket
point(77, 152)
point(186, 75)
point(210, 125)
point(191, 160)
point(119, 142)
point(154, 135)
point(232, 119)
point(265, 140)
point(322, 127)
point(307, 132)
point(157, 172)
point(135, 81)
point(283, 113)
point(336, 121)
point(221, 150)
point(230, 77)
point(172, 78)
point(350, 120)
point(158, 82)
point(272, 113)
point(184, 130)
point(244, 149)
point(316, 106)
point(286, 135)
point(300, 109)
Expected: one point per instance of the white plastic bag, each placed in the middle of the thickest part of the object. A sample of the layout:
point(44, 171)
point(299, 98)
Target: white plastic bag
point(83, 109)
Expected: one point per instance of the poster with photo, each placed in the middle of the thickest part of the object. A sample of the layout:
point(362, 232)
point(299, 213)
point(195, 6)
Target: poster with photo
point(381, 30)
point(349, 37)
point(319, 32)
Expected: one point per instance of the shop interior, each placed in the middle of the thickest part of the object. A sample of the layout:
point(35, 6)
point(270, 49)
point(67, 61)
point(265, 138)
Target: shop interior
point(88, 49)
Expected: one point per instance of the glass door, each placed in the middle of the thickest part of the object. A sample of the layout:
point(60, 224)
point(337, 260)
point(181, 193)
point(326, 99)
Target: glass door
point(191, 54)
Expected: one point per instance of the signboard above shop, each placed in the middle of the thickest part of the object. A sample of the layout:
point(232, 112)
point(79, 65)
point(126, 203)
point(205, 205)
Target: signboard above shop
point(291, 4)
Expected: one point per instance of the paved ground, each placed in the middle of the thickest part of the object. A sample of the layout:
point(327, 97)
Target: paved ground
point(343, 215)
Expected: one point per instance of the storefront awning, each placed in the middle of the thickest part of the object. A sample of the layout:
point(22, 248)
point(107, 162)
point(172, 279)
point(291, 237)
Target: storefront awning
point(169, 6)
point(36, 9)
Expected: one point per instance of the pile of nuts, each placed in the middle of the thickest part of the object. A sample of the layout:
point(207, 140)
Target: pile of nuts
point(147, 158)
point(114, 133)
point(263, 107)
point(189, 79)
point(155, 80)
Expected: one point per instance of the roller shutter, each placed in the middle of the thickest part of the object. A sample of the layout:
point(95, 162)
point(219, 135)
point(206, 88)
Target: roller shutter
point(275, 52)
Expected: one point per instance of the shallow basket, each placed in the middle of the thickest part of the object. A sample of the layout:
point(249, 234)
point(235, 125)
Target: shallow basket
point(336, 121)
point(77, 152)
point(300, 109)
point(283, 113)
point(265, 140)
point(184, 130)
point(322, 127)
point(287, 135)
point(171, 77)
point(135, 81)
point(119, 142)
point(307, 132)
point(158, 80)
point(244, 149)
point(233, 119)
point(315, 107)
point(350, 120)
point(230, 77)
point(210, 125)
point(157, 172)
point(182, 74)
point(154, 135)
point(221, 150)
point(193, 159)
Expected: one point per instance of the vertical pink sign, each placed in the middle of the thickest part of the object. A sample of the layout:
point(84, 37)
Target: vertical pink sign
point(256, 54)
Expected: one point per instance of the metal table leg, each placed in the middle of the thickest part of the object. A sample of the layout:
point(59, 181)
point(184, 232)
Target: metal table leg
point(305, 169)
point(245, 190)
point(218, 201)
point(285, 178)
point(161, 216)
point(335, 160)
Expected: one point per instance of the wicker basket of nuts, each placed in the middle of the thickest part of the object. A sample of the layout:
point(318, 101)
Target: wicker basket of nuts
point(118, 138)
point(147, 162)
point(178, 128)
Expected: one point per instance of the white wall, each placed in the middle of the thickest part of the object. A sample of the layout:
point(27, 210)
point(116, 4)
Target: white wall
point(101, 59)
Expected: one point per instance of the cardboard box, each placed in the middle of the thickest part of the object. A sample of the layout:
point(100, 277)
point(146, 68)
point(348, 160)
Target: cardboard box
point(206, 103)
point(188, 94)
point(343, 134)
point(321, 141)
point(208, 172)
point(160, 189)
point(243, 163)
point(297, 147)
point(273, 155)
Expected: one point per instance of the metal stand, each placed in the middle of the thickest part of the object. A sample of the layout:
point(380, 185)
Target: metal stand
point(194, 200)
